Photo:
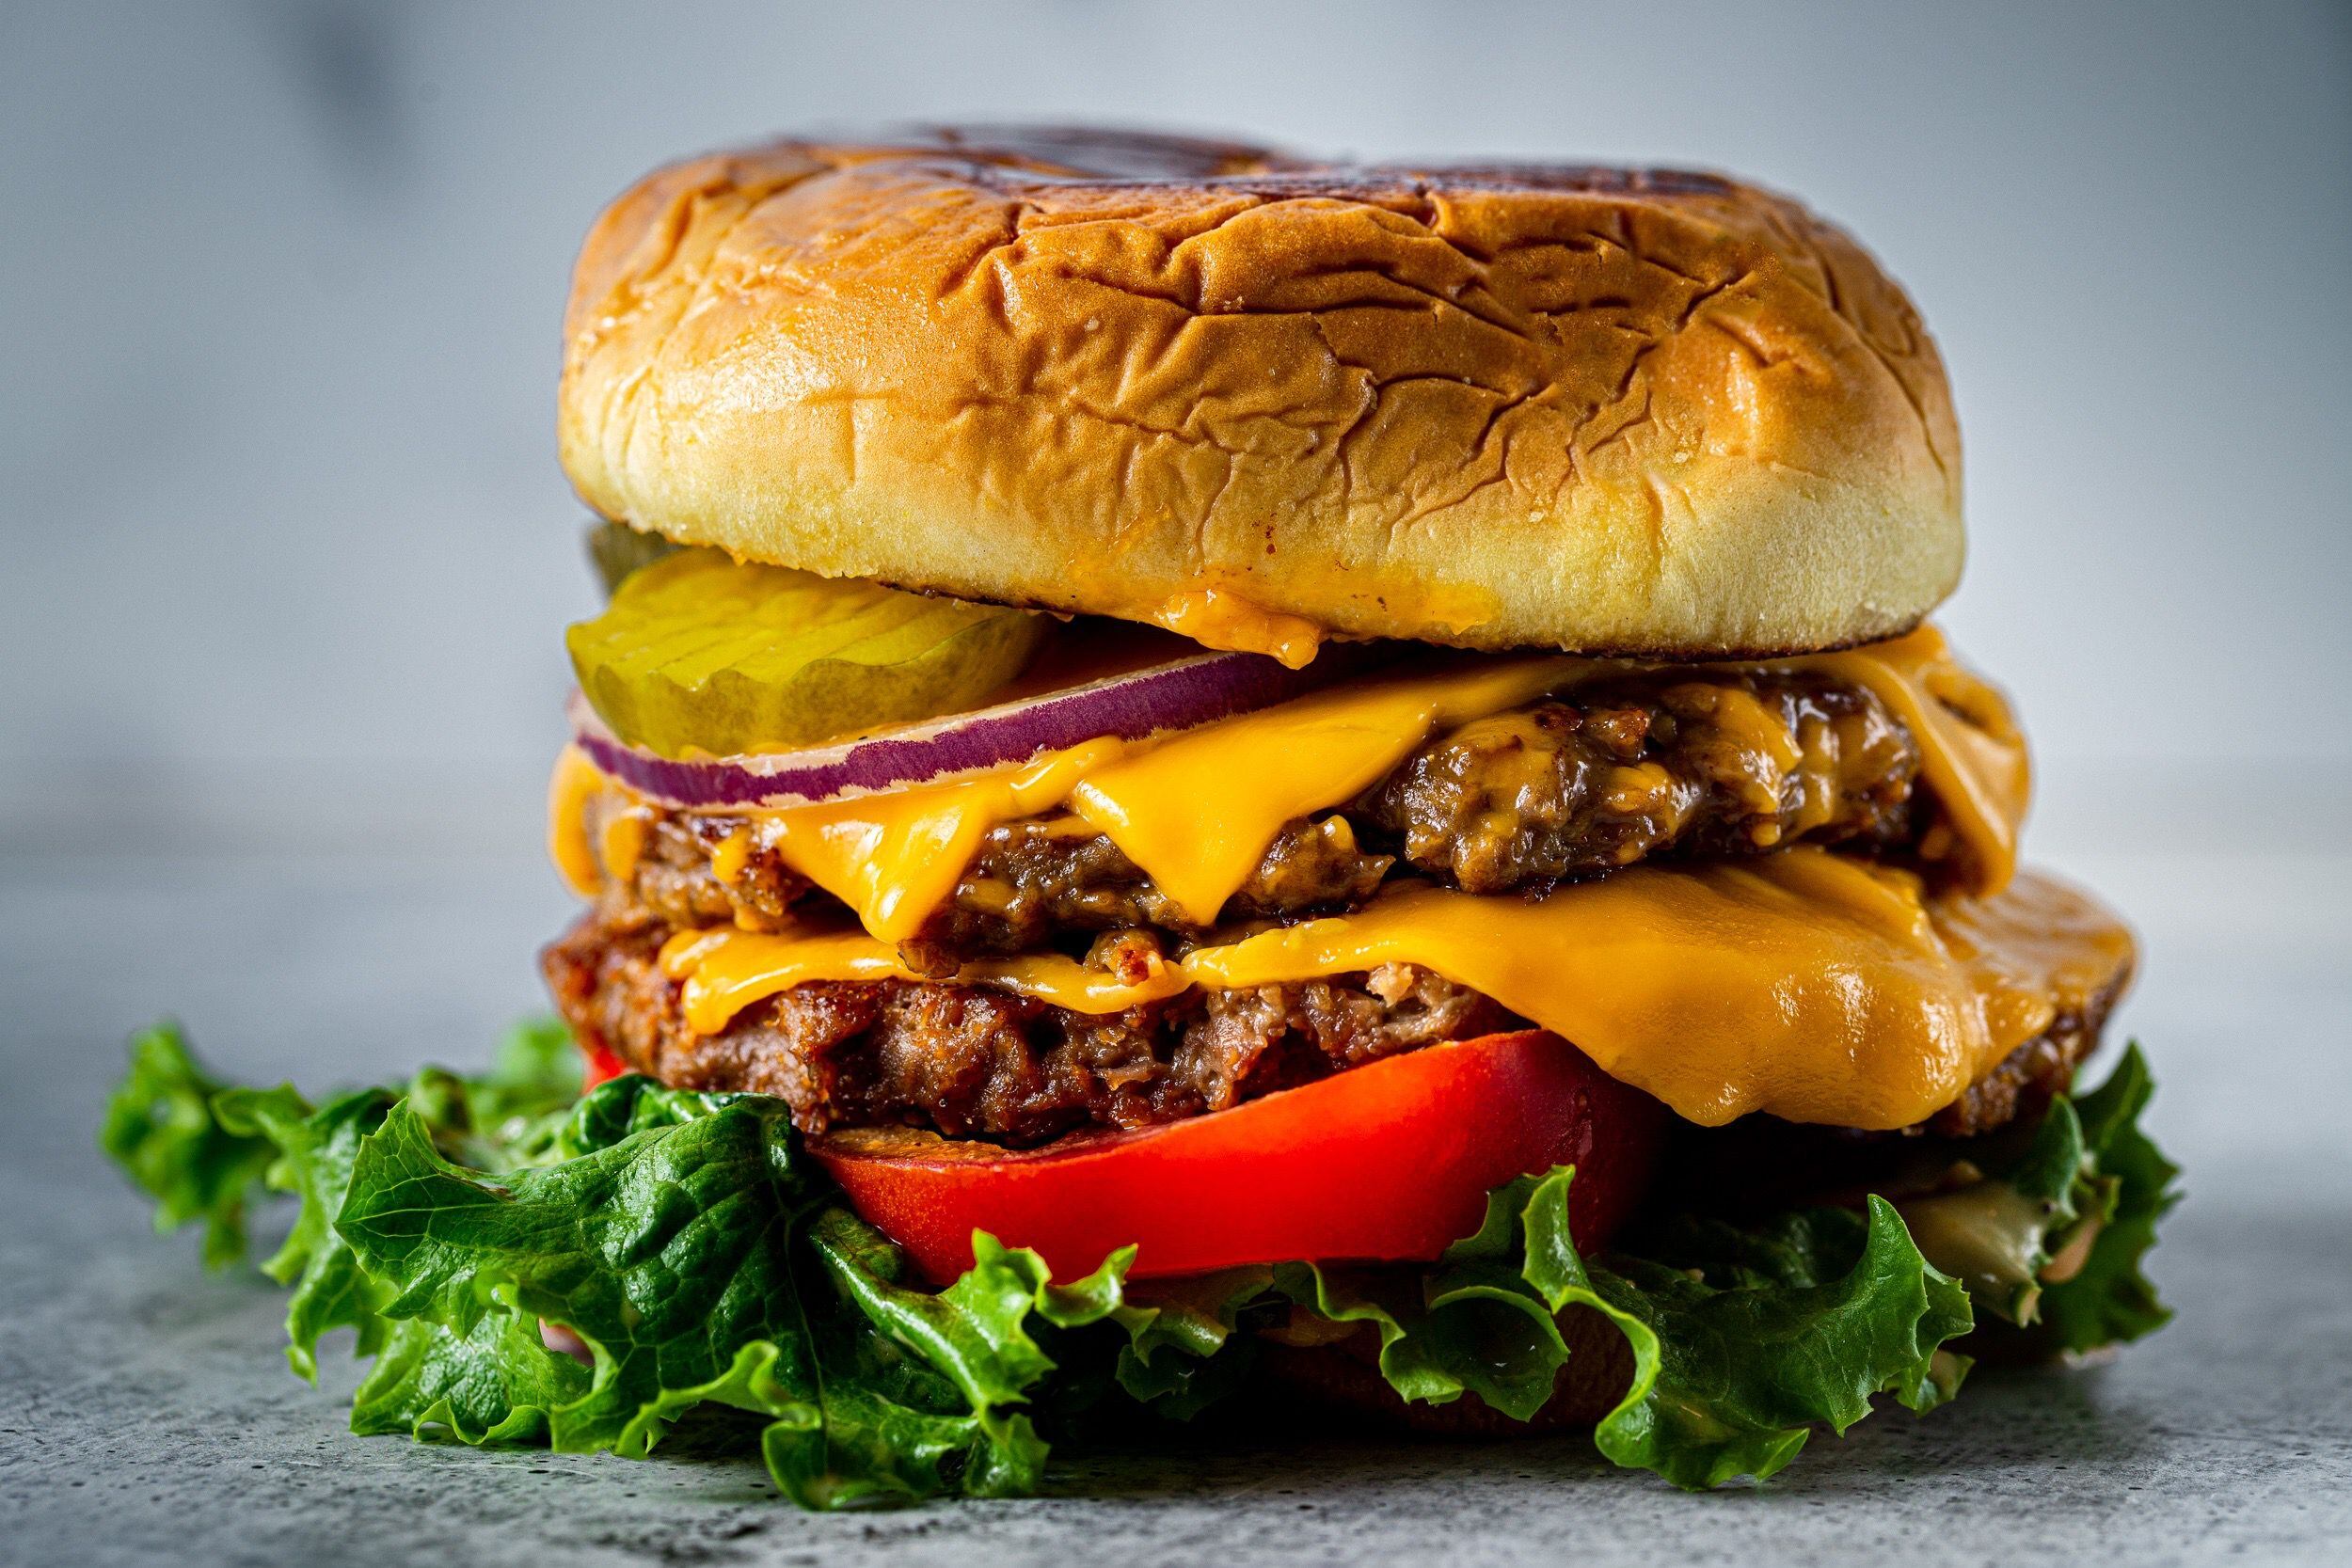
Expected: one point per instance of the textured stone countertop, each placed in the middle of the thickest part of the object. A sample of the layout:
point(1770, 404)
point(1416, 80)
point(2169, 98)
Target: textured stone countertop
point(145, 1413)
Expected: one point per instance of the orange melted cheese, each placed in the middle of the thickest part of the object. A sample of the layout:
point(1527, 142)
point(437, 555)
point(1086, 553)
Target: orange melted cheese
point(894, 858)
point(726, 970)
point(1971, 755)
point(1197, 811)
point(732, 856)
point(575, 785)
point(1220, 618)
point(1806, 985)
point(1814, 987)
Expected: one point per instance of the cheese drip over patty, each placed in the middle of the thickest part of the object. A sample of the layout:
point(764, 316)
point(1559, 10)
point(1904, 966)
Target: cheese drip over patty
point(1812, 986)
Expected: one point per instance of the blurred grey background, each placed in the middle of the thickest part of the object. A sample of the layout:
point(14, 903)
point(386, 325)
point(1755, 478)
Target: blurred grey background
point(287, 556)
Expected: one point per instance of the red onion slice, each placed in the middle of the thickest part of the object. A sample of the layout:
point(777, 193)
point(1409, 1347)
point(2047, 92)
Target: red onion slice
point(1173, 696)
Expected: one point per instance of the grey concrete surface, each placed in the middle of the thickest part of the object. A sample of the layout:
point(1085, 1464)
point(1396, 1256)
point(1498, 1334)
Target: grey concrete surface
point(145, 1414)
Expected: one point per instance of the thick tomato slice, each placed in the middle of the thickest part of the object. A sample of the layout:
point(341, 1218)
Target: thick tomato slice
point(1390, 1160)
point(598, 1065)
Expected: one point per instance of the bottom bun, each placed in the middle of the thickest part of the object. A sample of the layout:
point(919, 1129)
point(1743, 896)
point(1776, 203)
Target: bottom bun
point(1345, 1375)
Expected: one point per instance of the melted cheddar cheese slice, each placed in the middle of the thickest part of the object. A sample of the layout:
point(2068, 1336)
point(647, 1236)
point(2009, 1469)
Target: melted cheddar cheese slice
point(1972, 755)
point(1810, 985)
point(1197, 811)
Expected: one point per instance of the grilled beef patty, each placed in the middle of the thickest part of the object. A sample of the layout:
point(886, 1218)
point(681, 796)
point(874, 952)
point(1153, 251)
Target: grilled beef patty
point(1714, 766)
point(971, 1061)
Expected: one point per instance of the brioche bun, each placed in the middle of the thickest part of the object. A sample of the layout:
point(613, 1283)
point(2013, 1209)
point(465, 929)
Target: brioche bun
point(1602, 410)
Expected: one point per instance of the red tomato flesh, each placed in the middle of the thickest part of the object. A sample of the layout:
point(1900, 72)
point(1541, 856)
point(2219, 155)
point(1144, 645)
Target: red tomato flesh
point(598, 1065)
point(1391, 1160)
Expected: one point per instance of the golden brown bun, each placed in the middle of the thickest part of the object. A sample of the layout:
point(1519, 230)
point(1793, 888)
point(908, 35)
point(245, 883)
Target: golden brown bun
point(1591, 408)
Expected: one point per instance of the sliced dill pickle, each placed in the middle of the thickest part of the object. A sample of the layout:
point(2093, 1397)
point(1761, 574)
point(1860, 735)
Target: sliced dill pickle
point(617, 549)
point(697, 651)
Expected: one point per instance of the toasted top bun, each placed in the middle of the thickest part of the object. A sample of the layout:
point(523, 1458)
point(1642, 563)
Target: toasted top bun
point(1258, 399)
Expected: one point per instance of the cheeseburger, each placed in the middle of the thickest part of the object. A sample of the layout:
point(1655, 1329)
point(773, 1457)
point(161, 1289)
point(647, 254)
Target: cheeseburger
point(1209, 772)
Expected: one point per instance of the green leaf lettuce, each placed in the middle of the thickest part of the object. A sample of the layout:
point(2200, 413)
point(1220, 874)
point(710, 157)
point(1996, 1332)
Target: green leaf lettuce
point(2049, 1236)
point(472, 1230)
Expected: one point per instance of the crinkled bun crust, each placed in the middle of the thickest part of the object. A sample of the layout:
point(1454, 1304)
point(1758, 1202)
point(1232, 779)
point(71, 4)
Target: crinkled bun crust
point(1597, 409)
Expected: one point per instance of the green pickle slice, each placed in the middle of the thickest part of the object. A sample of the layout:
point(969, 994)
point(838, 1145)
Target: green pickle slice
point(700, 653)
point(617, 549)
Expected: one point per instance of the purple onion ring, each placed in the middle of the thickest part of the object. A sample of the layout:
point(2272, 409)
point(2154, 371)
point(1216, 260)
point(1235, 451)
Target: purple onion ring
point(1177, 696)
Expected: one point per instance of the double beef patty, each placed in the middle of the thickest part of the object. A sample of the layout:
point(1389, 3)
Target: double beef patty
point(1713, 766)
point(967, 1060)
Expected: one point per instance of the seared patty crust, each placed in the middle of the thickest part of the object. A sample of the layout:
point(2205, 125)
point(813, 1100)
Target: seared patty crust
point(968, 1060)
point(972, 1061)
point(1711, 765)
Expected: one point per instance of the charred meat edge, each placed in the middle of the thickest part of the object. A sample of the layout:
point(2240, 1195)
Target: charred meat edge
point(968, 1061)
point(1650, 766)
